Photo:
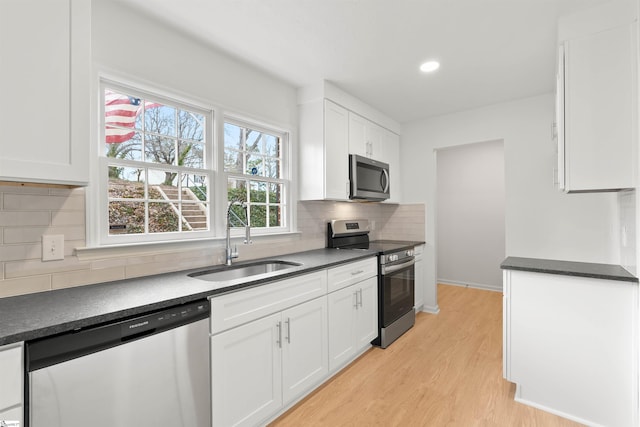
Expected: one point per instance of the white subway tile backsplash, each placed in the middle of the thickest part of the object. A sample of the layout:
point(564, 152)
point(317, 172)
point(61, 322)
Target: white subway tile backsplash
point(25, 285)
point(62, 218)
point(86, 277)
point(23, 218)
point(20, 252)
point(36, 267)
point(14, 202)
point(34, 234)
point(23, 189)
point(26, 213)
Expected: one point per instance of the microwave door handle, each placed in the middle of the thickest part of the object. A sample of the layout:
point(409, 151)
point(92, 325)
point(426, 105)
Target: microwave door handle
point(384, 180)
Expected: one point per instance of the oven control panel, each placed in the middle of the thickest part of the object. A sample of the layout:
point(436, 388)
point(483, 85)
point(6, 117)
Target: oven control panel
point(396, 256)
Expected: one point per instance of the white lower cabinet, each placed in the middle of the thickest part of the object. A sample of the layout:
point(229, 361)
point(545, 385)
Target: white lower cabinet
point(353, 321)
point(11, 388)
point(271, 344)
point(571, 346)
point(265, 364)
point(304, 347)
point(246, 373)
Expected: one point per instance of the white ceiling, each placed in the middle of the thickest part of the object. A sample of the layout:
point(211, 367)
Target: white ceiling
point(491, 50)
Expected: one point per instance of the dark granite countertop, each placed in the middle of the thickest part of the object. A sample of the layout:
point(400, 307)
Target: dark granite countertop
point(32, 316)
point(569, 268)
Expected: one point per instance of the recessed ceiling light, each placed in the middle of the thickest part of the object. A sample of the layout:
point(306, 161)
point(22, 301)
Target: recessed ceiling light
point(429, 66)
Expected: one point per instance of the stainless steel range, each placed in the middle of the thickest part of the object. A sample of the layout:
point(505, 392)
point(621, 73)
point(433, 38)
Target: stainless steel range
point(396, 275)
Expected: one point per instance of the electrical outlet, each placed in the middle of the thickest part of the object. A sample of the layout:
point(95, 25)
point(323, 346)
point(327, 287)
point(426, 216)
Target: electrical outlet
point(52, 247)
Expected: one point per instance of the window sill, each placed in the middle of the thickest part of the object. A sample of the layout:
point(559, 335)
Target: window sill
point(154, 248)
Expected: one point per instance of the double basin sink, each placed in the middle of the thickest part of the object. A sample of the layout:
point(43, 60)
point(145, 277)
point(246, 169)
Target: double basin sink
point(242, 271)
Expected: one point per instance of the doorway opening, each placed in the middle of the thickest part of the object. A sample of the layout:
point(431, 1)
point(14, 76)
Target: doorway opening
point(470, 214)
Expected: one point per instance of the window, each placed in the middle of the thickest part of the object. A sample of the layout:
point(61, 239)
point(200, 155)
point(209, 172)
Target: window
point(255, 163)
point(162, 171)
point(156, 167)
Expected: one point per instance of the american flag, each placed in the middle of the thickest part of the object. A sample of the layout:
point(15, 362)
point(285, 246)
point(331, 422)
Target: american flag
point(120, 112)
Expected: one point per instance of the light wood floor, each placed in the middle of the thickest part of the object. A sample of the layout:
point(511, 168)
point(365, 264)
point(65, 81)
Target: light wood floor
point(446, 371)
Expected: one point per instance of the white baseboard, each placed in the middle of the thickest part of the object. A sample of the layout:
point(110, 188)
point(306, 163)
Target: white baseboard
point(518, 399)
point(433, 309)
point(471, 285)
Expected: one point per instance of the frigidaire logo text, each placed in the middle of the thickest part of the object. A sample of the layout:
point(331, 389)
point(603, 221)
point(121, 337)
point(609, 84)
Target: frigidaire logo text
point(137, 325)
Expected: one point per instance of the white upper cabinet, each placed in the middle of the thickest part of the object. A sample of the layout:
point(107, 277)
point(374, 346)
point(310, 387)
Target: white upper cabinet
point(596, 103)
point(44, 86)
point(333, 124)
point(365, 137)
point(391, 155)
point(324, 151)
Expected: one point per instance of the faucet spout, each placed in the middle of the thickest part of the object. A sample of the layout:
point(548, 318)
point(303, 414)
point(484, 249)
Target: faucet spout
point(233, 253)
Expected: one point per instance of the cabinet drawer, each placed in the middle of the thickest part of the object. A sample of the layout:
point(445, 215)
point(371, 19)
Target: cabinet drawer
point(348, 274)
point(11, 376)
point(228, 311)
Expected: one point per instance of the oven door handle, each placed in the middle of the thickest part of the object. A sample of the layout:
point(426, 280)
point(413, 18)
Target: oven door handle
point(396, 267)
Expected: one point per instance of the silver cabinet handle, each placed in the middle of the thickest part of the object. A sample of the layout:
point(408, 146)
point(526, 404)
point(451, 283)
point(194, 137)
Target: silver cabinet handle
point(355, 273)
point(355, 294)
point(360, 291)
point(279, 340)
point(288, 323)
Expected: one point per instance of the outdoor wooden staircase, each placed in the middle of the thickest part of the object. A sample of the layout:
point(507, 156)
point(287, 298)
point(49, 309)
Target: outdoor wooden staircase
point(194, 216)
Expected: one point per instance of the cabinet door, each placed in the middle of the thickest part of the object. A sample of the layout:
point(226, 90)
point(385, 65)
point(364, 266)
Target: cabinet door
point(600, 112)
point(304, 347)
point(246, 373)
point(366, 321)
point(375, 138)
point(11, 374)
point(390, 150)
point(559, 134)
point(336, 145)
point(358, 135)
point(342, 305)
point(44, 85)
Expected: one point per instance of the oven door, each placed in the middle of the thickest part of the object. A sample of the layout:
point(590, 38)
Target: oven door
point(397, 290)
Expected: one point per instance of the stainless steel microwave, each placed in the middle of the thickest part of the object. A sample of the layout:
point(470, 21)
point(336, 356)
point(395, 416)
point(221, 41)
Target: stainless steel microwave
point(369, 179)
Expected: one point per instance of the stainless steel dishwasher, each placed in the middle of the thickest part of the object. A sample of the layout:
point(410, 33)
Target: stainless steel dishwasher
point(148, 371)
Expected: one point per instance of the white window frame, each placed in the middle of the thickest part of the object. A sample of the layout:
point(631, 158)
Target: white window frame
point(286, 198)
point(209, 170)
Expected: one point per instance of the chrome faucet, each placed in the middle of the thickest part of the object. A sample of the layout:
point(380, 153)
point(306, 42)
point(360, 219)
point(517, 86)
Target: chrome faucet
point(233, 253)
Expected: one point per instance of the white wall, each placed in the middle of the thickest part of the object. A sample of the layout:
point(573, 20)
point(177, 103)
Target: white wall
point(470, 214)
point(540, 221)
point(134, 44)
point(132, 47)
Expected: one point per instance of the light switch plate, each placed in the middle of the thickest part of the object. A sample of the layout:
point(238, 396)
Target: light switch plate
point(52, 247)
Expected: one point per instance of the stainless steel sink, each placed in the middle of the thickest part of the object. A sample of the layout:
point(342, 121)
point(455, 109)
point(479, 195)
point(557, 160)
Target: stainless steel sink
point(241, 271)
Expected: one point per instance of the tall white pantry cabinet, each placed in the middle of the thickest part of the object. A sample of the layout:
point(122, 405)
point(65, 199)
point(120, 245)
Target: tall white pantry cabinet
point(45, 46)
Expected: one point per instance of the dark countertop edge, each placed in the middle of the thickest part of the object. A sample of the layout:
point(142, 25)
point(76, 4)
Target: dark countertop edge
point(58, 328)
point(569, 268)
